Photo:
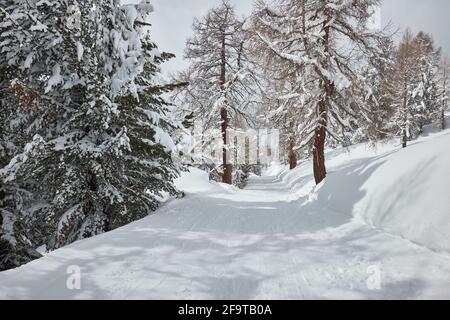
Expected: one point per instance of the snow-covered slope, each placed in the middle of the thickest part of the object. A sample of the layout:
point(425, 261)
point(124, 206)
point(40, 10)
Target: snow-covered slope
point(408, 193)
point(280, 238)
point(404, 191)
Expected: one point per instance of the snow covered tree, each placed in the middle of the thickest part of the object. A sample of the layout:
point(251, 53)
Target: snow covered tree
point(16, 240)
point(13, 243)
point(101, 149)
point(280, 106)
point(415, 85)
point(444, 72)
point(16, 245)
point(284, 113)
point(378, 95)
point(219, 80)
point(427, 95)
point(404, 75)
point(308, 37)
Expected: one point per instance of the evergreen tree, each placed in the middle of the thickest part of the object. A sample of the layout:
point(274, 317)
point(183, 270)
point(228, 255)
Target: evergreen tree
point(16, 243)
point(15, 248)
point(102, 143)
point(444, 80)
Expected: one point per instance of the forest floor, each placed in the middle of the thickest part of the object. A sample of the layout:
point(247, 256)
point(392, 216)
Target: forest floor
point(279, 238)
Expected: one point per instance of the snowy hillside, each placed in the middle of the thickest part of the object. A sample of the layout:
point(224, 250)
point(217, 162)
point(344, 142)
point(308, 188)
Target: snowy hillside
point(280, 238)
point(404, 192)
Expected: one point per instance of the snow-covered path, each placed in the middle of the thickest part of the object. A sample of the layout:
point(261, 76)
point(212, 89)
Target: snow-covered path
point(278, 239)
point(253, 244)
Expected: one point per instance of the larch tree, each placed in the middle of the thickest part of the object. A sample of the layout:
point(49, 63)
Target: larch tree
point(379, 98)
point(283, 88)
point(414, 86)
point(324, 44)
point(427, 95)
point(218, 75)
point(284, 114)
point(404, 75)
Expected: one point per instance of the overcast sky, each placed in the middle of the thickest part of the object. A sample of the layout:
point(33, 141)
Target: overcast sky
point(172, 21)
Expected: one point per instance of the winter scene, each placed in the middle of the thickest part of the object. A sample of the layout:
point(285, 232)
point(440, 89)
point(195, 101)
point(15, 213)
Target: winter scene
point(224, 150)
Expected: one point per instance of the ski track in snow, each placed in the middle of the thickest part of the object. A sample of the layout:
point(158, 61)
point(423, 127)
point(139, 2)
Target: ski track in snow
point(273, 240)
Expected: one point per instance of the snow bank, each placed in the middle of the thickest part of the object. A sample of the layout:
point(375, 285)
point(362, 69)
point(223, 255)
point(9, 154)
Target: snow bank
point(405, 192)
point(194, 181)
point(409, 193)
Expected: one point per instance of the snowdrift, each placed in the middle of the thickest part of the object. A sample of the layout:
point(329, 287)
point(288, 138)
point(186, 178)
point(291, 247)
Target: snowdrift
point(405, 192)
point(409, 193)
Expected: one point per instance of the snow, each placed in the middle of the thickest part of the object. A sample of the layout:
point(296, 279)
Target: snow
point(43, 2)
point(65, 220)
point(55, 79)
point(80, 51)
point(7, 227)
point(163, 138)
point(28, 60)
point(39, 27)
point(195, 181)
point(280, 238)
point(408, 194)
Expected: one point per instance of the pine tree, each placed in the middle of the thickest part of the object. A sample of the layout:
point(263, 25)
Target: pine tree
point(102, 132)
point(16, 242)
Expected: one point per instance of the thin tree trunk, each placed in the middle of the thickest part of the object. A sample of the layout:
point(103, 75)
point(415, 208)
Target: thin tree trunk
point(404, 139)
point(405, 113)
point(320, 171)
point(405, 120)
point(443, 124)
point(226, 177)
point(292, 154)
point(227, 169)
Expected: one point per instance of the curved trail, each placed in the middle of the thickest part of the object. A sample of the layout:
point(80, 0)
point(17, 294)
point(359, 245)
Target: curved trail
point(265, 242)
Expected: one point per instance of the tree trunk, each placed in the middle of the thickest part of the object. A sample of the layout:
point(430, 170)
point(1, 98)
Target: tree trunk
point(405, 114)
point(227, 169)
point(320, 171)
point(443, 125)
point(226, 177)
point(292, 154)
point(319, 168)
point(404, 139)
